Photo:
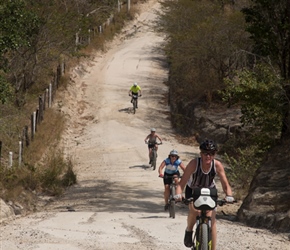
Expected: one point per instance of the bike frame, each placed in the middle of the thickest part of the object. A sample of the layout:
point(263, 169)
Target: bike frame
point(153, 155)
point(205, 200)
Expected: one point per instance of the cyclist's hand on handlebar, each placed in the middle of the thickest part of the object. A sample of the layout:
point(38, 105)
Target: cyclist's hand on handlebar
point(161, 175)
point(229, 199)
point(177, 197)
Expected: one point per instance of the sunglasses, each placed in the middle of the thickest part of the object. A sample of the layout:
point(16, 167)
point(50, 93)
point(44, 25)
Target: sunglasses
point(173, 156)
point(211, 153)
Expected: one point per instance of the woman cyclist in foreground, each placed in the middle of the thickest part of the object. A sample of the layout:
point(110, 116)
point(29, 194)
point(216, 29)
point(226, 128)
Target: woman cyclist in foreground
point(200, 172)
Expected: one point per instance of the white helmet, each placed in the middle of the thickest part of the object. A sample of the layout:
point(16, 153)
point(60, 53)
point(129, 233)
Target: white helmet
point(173, 152)
point(153, 129)
point(135, 84)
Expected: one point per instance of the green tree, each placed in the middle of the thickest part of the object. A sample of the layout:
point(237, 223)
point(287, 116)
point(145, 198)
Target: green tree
point(205, 45)
point(268, 22)
point(17, 26)
point(260, 95)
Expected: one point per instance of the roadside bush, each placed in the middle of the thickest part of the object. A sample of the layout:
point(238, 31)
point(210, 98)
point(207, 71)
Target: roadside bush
point(55, 174)
point(242, 166)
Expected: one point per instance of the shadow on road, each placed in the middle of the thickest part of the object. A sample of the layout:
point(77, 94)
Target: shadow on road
point(106, 196)
point(145, 167)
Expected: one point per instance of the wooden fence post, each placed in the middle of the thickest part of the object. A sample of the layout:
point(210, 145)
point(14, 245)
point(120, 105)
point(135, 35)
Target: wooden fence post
point(26, 138)
point(128, 5)
point(40, 103)
point(32, 127)
point(44, 99)
point(49, 97)
point(20, 154)
point(0, 152)
point(10, 162)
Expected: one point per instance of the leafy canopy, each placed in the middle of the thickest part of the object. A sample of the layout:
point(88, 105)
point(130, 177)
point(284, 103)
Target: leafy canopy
point(17, 25)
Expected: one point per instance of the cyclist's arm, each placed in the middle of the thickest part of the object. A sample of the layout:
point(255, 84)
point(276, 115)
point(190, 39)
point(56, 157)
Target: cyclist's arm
point(160, 170)
point(223, 178)
point(159, 138)
point(190, 168)
point(147, 137)
point(181, 165)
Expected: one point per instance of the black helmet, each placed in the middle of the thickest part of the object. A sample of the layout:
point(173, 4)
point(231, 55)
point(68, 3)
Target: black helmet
point(208, 145)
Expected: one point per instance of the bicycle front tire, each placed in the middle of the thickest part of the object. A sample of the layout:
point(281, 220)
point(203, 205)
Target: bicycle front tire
point(154, 156)
point(204, 238)
point(172, 203)
point(134, 105)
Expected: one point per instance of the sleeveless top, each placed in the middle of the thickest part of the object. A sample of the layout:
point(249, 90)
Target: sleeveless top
point(201, 179)
point(171, 168)
point(152, 139)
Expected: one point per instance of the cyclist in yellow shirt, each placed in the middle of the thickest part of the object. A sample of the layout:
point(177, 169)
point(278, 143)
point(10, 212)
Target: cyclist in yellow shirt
point(135, 90)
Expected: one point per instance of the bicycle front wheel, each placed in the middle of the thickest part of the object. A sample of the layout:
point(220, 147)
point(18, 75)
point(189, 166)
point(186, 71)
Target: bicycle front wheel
point(134, 105)
point(172, 203)
point(153, 162)
point(203, 238)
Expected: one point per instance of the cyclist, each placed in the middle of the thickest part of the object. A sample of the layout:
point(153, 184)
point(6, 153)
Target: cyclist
point(135, 90)
point(171, 164)
point(200, 172)
point(151, 139)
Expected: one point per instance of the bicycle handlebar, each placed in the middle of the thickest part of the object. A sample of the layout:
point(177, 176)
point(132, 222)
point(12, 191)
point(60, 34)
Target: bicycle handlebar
point(155, 143)
point(219, 202)
point(170, 177)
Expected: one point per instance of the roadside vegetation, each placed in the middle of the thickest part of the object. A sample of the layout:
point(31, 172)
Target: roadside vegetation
point(232, 54)
point(35, 37)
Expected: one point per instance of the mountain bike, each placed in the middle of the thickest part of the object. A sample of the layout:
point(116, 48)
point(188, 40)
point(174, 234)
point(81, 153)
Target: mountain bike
point(153, 156)
point(134, 101)
point(171, 200)
point(204, 199)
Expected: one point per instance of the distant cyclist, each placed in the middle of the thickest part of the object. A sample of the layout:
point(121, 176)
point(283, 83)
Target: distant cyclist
point(135, 90)
point(151, 139)
point(171, 164)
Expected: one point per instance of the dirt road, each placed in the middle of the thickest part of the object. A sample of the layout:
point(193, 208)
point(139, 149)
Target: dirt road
point(118, 201)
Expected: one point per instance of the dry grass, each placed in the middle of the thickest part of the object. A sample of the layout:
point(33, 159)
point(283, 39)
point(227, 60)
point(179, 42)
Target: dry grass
point(48, 135)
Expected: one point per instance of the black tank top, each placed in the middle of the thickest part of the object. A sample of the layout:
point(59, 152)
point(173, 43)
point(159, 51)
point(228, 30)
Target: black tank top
point(201, 179)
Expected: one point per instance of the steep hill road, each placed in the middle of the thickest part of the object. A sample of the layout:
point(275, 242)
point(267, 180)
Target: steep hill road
point(118, 201)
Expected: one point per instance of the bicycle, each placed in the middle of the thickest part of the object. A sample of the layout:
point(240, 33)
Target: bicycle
point(153, 156)
point(134, 101)
point(204, 199)
point(171, 199)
